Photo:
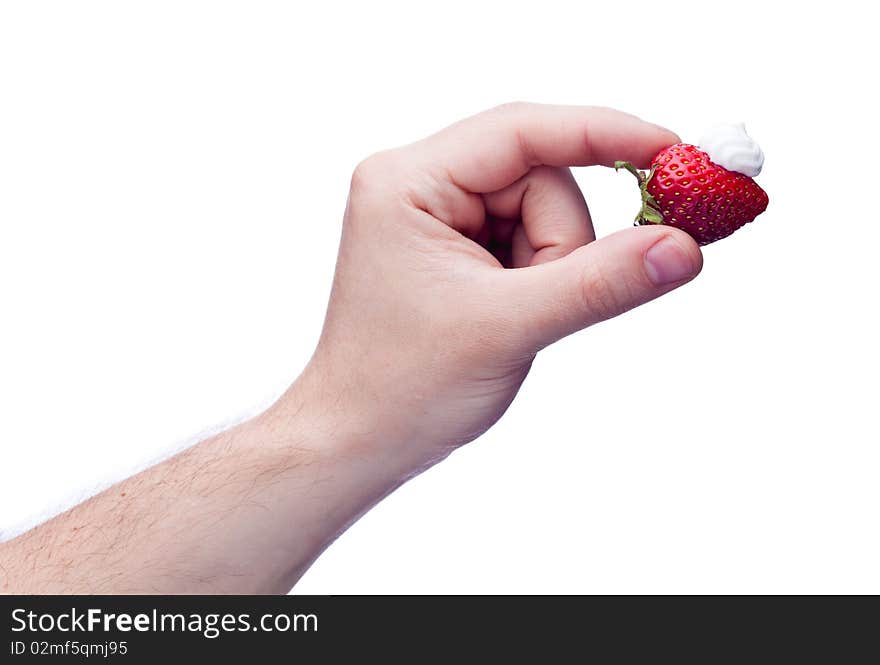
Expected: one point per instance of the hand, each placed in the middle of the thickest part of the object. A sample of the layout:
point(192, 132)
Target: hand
point(461, 257)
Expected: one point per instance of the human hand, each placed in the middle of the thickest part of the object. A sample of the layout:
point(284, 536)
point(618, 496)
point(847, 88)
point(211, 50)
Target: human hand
point(461, 257)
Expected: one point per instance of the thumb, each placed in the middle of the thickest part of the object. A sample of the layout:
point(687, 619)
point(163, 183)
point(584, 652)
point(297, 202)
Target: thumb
point(598, 281)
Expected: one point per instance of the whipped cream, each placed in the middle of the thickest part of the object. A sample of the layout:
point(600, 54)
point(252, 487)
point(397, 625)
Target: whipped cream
point(729, 146)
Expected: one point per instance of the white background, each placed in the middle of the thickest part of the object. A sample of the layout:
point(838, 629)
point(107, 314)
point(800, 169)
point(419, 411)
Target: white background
point(172, 179)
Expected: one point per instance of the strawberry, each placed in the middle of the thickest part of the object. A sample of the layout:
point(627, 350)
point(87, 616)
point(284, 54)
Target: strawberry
point(685, 189)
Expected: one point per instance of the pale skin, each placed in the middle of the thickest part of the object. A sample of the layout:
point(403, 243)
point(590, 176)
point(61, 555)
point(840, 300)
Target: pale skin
point(462, 256)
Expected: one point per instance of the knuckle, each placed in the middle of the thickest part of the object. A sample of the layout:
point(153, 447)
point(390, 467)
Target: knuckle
point(602, 296)
point(513, 107)
point(372, 171)
point(543, 174)
point(548, 179)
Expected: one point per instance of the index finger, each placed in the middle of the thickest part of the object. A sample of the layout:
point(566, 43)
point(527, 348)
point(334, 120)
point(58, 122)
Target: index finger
point(493, 149)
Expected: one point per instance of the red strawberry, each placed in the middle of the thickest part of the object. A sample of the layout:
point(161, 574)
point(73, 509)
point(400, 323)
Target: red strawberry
point(685, 189)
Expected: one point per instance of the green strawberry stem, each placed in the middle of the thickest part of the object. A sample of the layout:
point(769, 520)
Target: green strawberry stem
point(650, 210)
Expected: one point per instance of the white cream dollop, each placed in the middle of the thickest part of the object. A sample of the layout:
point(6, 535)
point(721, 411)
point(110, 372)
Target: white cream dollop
point(729, 146)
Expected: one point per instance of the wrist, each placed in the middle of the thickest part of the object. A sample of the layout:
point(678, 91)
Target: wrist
point(350, 456)
point(345, 416)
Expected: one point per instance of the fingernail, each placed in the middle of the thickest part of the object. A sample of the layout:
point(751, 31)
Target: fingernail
point(667, 262)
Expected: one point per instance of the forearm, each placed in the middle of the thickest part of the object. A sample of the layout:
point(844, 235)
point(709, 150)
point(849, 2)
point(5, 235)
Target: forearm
point(246, 511)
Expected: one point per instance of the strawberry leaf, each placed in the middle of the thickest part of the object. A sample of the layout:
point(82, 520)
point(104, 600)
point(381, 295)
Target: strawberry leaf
point(650, 210)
